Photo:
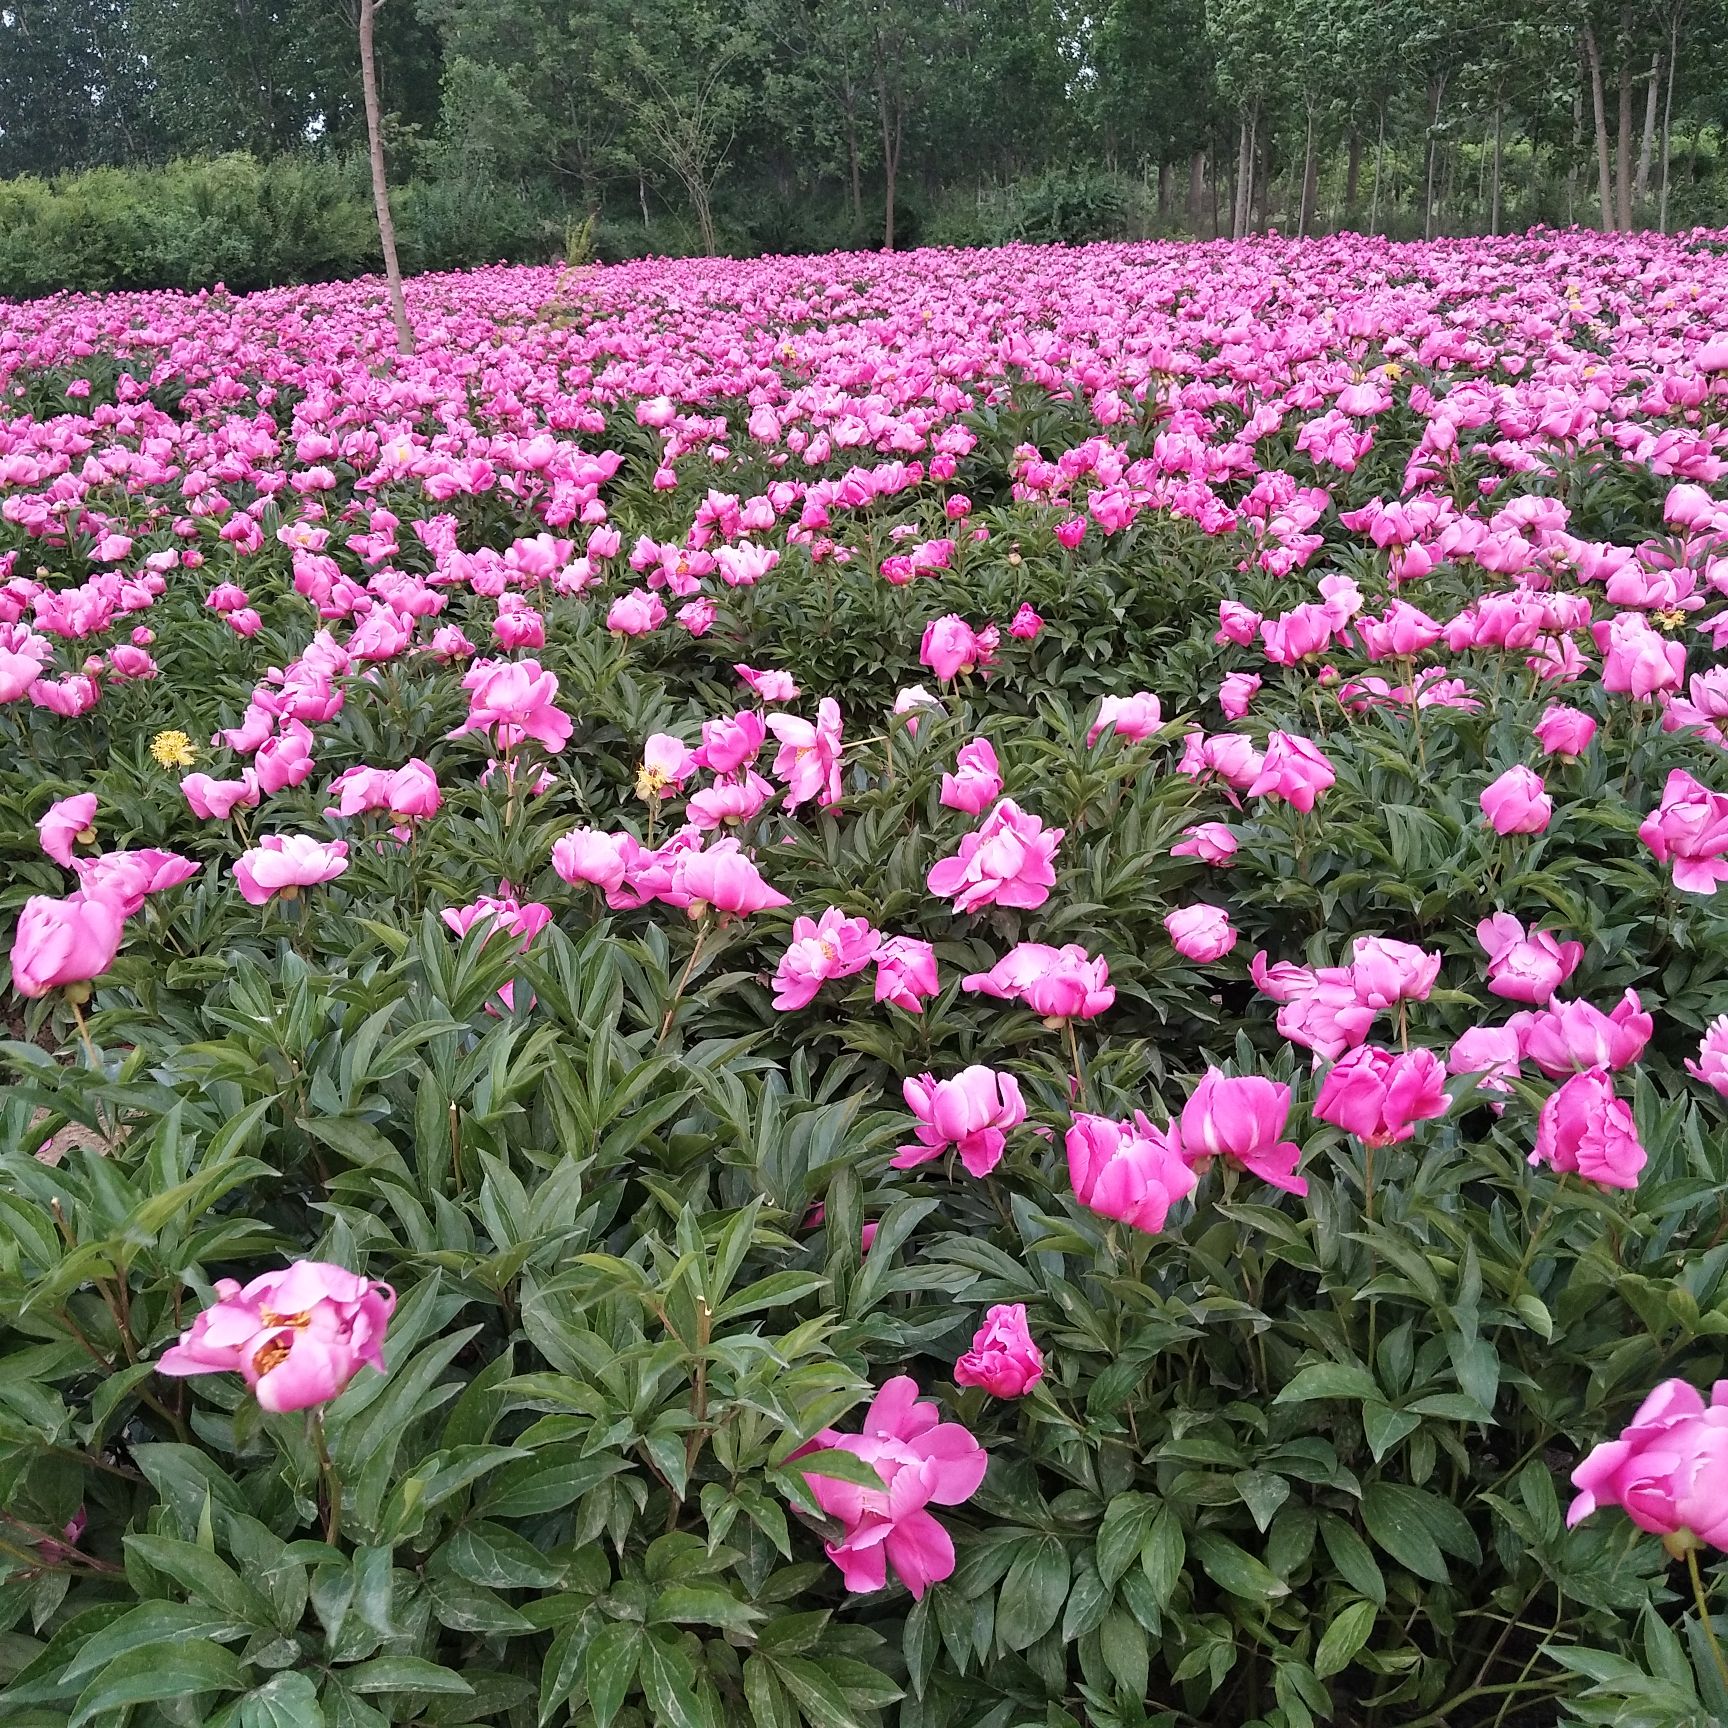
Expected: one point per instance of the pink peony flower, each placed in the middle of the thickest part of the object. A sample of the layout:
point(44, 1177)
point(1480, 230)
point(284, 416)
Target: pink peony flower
point(1127, 1170)
point(1564, 731)
point(729, 803)
point(1026, 624)
point(1712, 1064)
point(1380, 1095)
point(1569, 1036)
point(1584, 1127)
point(1489, 1051)
point(667, 762)
point(68, 822)
point(1242, 1118)
point(1295, 769)
point(297, 1337)
point(1131, 717)
point(808, 760)
point(1236, 694)
point(1384, 972)
point(604, 861)
point(1516, 803)
point(832, 946)
point(729, 744)
point(922, 1461)
point(61, 942)
point(1003, 1359)
point(1008, 861)
point(771, 686)
point(951, 646)
point(285, 863)
point(973, 1113)
point(129, 878)
point(1200, 933)
point(513, 700)
point(977, 781)
point(1525, 968)
point(1210, 842)
point(724, 877)
point(905, 973)
point(1690, 829)
point(1668, 1470)
point(217, 800)
point(636, 613)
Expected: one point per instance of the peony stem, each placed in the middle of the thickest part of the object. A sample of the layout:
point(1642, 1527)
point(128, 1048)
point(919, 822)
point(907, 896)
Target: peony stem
point(1704, 1613)
point(1074, 1057)
point(684, 978)
point(332, 1482)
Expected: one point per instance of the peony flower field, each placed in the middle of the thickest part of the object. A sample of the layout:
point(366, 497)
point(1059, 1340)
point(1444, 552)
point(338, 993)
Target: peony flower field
point(958, 990)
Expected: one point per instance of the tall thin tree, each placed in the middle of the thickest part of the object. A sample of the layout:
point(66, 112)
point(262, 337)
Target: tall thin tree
point(380, 184)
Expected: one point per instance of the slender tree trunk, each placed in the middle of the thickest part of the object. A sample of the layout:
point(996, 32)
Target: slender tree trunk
point(1261, 212)
point(1623, 151)
point(642, 196)
point(1668, 116)
point(1599, 108)
point(1196, 190)
point(1244, 156)
point(1305, 205)
point(1494, 198)
point(1353, 176)
point(380, 186)
point(1379, 165)
point(1437, 94)
point(892, 131)
point(1647, 148)
point(851, 111)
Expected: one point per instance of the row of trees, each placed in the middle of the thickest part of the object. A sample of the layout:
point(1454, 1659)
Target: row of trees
point(782, 123)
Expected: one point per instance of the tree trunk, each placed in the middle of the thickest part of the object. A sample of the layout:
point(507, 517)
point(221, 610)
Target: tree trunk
point(1668, 116)
point(1623, 151)
point(851, 111)
point(1305, 201)
point(1260, 215)
point(1599, 108)
point(1494, 195)
point(1436, 95)
point(1244, 178)
point(1353, 177)
point(1379, 165)
point(1196, 190)
point(892, 130)
point(1647, 149)
point(380, 186)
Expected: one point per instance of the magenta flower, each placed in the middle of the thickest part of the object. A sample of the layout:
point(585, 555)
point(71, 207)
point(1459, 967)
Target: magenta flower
point(297, 1337)
point(922, 1461)
point(667, 762)
point(1026, 623)
point(1690, 829)
point(1059, 984)
point(1525, 968)
point(1295, 769)
point(730, 744)
point(808, 760)
point(770, 685)
point(68, 941)
point(1517, 803)
point(832, 946)
point(1380, 1095)
point(1237, 692)
point(730, 803)
point(1318, 1009)
point(1211, 842)
point(1200, 933)
point(285, 863)
point(951, 646)
point(129, 878)
point(1131, 717)
point(1384, 972)
point(68, 822)
point(604, 861)
point(1584, 1127)
point(721, 876)
point(1003, 1359)
point(1563, 731)
point(1242, 1118)
point(977, 781)
point(1569, 1036)
point(636, 613)
point(905, 973)
point(1712, 1064)
point(1490, 1052)
point(1668, 1470)
point(1008, 861)
point(973, 1113)
point(1127, 1170)
point(513, 700)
